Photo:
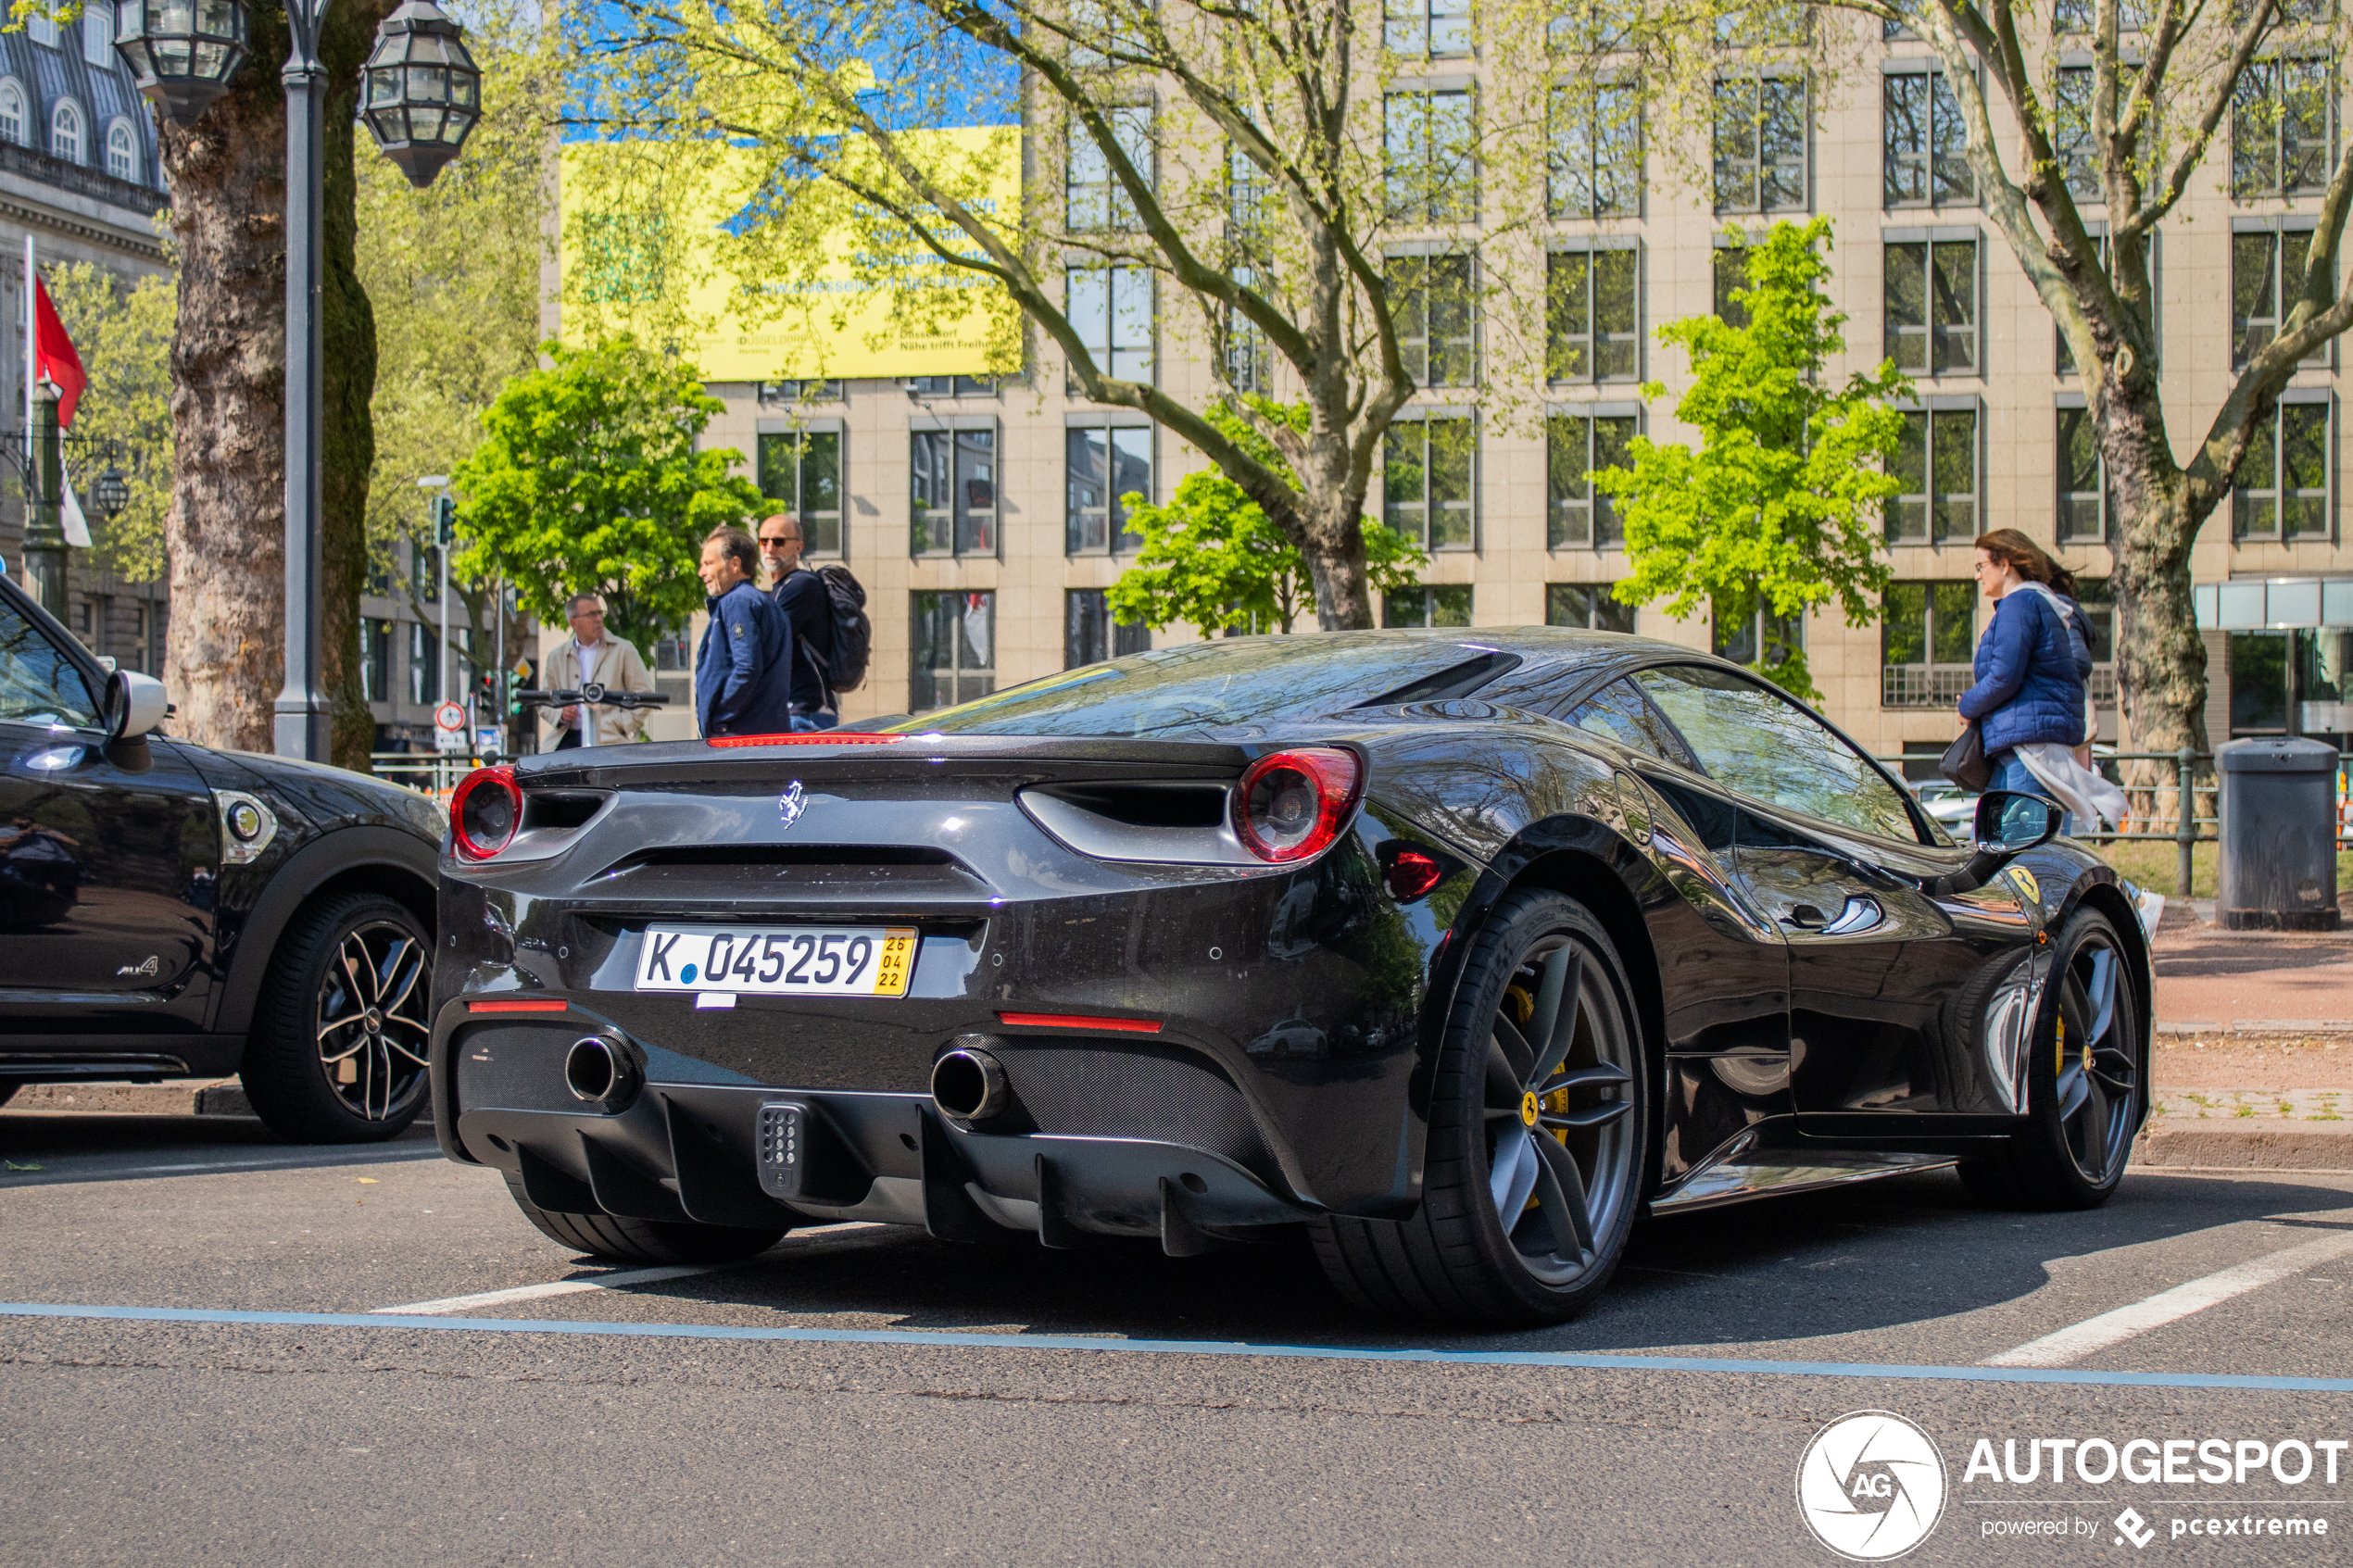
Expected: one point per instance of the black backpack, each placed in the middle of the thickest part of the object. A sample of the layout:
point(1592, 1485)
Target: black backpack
point(853, 633)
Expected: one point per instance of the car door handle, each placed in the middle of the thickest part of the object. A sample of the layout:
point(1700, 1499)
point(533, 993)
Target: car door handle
point(1806, 917)
point(1861, 914)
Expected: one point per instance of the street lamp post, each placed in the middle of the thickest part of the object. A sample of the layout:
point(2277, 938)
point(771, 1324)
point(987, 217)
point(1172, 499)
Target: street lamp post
point(182, 57)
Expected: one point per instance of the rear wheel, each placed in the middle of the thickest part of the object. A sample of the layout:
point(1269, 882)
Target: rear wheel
point(644, 1241)
point(2084, 1084)
point(1537, 1137)
point(337, 1053)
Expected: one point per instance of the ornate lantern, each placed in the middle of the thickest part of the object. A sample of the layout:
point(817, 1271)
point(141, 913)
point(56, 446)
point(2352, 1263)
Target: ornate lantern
point(182, 53)
point(423, 91)
point(112, 492)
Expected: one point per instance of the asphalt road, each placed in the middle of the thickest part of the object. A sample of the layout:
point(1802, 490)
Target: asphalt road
point(866, 1394)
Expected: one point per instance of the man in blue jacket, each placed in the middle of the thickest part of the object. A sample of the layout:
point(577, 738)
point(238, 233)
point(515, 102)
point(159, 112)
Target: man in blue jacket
point(743, 672)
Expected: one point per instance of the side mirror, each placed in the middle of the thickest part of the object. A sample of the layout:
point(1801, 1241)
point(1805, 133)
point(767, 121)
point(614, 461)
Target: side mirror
point(2008, 825)
point(135, 704)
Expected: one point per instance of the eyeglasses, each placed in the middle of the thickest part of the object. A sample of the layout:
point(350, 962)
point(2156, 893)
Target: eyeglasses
point(775, 541)
point(587, 615)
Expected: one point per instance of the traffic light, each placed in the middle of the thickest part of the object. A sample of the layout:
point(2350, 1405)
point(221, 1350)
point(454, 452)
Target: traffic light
point(444, 521)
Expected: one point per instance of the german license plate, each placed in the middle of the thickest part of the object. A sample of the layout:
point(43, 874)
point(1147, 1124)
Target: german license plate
point(797, 961)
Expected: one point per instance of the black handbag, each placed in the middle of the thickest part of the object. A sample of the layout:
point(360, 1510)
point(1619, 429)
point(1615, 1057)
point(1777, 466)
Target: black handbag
point(1964, 762)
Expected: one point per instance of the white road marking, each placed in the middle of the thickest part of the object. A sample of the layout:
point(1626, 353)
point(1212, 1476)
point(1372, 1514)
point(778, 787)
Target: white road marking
point(810, 1241)
point(2076, 1341)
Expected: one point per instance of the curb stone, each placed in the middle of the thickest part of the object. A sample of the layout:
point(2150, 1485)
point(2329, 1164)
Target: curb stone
point(218, 1097)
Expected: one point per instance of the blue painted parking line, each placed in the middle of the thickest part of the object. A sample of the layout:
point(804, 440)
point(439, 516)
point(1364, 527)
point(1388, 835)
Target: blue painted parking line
point(943, 1338)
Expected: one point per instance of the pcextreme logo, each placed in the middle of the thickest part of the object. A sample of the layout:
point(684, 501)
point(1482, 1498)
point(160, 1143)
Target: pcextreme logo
point(1870, 1485)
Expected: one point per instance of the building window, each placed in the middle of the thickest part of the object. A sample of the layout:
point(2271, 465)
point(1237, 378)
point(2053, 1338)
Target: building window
point(1594, 162)
point(955, 649)
point(800, 470)
point(424, 572)
point(122, 152)
point(1730, 265)
point(1931, 305)
point(1588, 605)
point(2267, 274)
point(42, 27)
point(1925, 141)
point(1434, 313)
point(939, 386)
point(424, 664)
point(1763, 639)
point(1937, 462)
point(97, 36)
point(1428, 29)
point(1111, 308)
point(137, 658)
point(2132, 16)
point(1250, 360)
point(2079, 156)
point(1577, 516)
point(65, 133)
point(12, 115)
point(954, 491)
point(1760, 144)
point(375, 659)
point(2082, 479)
point(784, 394)
point(1427, 606)
point(2282, 493)
point(1093, 197)
point(1927, 643)
point(2096, 594)
point(1430, 481)
point(1429, 143)
point(1592, 314)
point(1091, 635)
point(1103, 465)
point(2280, 132)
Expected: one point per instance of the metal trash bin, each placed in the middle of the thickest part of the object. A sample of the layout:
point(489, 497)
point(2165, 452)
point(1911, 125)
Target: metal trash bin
point(2278, 805)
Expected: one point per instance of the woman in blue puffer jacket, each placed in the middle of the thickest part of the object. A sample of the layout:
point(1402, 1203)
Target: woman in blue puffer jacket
point(2032, 663)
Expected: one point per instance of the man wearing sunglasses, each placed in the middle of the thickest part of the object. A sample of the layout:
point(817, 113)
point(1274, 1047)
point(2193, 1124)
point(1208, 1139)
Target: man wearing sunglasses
point(801, 595)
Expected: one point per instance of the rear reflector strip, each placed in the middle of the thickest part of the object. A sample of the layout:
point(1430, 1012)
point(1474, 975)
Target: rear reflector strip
point(807, 737)
point(550, 1006)
point(1077, 1021)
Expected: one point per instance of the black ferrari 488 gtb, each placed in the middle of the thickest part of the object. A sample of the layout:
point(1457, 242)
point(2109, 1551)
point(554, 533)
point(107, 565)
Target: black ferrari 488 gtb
point(1461, 950)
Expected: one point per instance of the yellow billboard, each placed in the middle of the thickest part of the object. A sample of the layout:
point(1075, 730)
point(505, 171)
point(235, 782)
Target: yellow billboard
point(774, 300)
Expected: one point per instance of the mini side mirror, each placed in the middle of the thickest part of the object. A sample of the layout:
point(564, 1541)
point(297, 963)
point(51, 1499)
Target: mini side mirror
point(2008, 824)
point(136, 704)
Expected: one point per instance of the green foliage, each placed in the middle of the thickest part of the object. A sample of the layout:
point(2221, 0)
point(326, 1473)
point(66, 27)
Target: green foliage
point(1212, 558)
point(1781, 508)
point(587, 480)
point(123, 333)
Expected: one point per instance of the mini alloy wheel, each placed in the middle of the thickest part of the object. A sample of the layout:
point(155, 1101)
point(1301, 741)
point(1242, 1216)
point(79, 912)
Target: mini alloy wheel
point(337, 1052)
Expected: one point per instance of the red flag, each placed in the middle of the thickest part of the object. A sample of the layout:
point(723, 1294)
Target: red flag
point(52, 355)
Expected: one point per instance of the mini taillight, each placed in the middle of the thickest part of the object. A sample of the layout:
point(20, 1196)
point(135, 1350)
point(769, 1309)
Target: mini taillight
point(484, 811)
point(1292, 804)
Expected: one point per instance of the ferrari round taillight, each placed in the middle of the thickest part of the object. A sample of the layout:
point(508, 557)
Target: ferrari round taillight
point(484, 811)
point(1292, 804)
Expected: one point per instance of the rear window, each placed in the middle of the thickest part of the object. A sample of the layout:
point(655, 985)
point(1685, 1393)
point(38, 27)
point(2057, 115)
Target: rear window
point(1208, 687)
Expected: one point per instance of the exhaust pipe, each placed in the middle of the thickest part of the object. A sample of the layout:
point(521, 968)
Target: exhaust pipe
point(603, 1073)
point(968, 1084)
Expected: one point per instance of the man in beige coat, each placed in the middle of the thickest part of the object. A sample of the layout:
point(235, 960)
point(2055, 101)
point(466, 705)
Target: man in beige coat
point(593, 654)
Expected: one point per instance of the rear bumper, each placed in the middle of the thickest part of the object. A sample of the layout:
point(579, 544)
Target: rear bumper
point(715, 1155)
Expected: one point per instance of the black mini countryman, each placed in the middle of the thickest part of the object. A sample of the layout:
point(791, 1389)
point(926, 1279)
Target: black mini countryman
point(171, 910)
point(1457, 951)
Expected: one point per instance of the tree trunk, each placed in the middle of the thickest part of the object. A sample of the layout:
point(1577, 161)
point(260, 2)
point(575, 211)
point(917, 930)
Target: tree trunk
point(225, 535)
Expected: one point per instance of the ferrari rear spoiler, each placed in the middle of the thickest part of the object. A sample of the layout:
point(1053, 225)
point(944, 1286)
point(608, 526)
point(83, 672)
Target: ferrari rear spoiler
point(839, 755)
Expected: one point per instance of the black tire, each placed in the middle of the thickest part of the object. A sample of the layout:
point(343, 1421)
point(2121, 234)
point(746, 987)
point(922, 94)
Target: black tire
point(1457, 1260)
point(645, 1241)
point(337, 1052)
point(2082, 1111)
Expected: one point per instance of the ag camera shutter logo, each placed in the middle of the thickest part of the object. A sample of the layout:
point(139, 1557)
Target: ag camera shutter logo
point(1870, 1485)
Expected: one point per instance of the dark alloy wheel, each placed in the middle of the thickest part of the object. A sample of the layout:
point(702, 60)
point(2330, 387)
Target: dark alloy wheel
point(1538, 1135)
point(338, 1048)
point(2084, 1084)
point(645, 1241)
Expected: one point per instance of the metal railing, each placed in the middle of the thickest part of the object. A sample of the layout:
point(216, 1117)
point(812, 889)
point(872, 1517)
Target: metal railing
point(1923, 685)
point(429, 773)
